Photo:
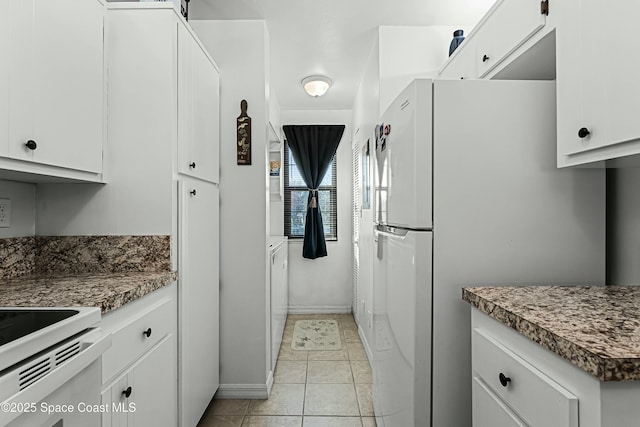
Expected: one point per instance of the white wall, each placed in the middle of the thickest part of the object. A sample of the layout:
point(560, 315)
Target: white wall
point(365, 117)
point(325, 284)
point(410, 52)
point(23, 208)
point(623, 226)
point(239, 48)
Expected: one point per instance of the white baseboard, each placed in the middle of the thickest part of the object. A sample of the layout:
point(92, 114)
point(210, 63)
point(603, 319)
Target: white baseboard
point(365, 344)
point(319, 309)
point(269, 383)
point(243, 391)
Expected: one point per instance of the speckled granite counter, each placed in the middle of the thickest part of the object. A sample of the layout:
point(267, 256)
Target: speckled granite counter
point(105, 290)
point(597, 328)
point(87, 271)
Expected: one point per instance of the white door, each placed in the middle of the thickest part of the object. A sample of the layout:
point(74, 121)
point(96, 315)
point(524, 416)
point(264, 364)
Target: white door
point(403, 154)
point(198, 297)
point(402, 328)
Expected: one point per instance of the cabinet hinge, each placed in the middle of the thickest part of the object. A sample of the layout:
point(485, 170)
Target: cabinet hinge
point(544, 7)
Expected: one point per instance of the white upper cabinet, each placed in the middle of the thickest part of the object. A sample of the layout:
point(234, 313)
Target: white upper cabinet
point(462, 64)
point(55, 80)
point(597, 87)
point(512, 24)
point(5, 43)
point(199, 110)
point(508, 29)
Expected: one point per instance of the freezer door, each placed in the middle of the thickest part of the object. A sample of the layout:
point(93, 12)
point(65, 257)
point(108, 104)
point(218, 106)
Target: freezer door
point(403, 157)
point(402, 328)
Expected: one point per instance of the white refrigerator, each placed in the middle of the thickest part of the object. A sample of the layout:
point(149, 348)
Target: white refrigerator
point(467, 193)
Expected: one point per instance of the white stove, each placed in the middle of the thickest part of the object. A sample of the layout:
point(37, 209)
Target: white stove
point(50, 366)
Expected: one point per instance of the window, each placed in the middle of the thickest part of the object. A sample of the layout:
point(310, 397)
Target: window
point(295, 199)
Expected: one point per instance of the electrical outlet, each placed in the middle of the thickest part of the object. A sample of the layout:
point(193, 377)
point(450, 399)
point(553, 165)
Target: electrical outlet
point(5, 213)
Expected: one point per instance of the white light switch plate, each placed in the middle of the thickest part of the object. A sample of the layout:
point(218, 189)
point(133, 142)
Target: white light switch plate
point(5, 213)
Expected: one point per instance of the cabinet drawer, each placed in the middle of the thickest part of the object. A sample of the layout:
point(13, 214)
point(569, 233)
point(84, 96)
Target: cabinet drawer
point(130, 340)
point(489, 410)
point(532, 395)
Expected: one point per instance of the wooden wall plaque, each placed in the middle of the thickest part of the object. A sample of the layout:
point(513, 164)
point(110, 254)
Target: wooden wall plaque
point(243, 129)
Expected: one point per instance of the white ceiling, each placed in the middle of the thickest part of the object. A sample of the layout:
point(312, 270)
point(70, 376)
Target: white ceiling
point(331, 37)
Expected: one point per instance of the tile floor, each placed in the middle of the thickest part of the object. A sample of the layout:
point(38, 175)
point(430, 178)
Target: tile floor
point(310, 389)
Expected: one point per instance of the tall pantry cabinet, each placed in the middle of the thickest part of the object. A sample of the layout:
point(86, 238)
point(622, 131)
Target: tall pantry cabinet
point(164, 114)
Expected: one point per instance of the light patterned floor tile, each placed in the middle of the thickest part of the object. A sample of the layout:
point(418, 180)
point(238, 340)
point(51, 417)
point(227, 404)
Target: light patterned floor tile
point(264, 421)
point(361, 372)
point(341, 354)
point(365, 399)
point(291, 372)
point(332, 422)
point(285, 399)
point(356, 351)
point(351, 336)
point(221, 421)
point(368, 422)
point(228, 407)
point(331, 399)
point(329, 372)
point(287, 353)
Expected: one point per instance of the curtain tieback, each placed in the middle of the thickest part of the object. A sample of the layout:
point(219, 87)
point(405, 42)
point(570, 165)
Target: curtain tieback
point(314, 198)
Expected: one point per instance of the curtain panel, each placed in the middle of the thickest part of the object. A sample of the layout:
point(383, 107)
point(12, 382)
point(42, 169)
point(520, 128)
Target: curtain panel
point(313, 148)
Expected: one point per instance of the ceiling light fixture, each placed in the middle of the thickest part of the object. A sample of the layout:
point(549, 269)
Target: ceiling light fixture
point(316, 85)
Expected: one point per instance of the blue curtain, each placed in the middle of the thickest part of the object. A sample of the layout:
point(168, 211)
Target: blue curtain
point(313, 148)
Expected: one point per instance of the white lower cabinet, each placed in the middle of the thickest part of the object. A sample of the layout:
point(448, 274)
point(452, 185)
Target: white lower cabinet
point(489, 409)
point(278, 285)
point(516, 382)
point(500, 374)
point(146, 393)
point(139, 371)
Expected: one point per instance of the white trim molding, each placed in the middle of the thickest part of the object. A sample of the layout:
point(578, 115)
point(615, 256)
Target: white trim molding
point(243, 391)
point(324, 309)
point(365, 344)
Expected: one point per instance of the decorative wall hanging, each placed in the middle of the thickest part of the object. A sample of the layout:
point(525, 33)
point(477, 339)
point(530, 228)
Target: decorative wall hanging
point(274, 168)
point(243, 127)
point(184, 9)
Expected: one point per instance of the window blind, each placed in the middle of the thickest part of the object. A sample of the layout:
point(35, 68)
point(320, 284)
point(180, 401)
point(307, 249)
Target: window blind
point(295, 199)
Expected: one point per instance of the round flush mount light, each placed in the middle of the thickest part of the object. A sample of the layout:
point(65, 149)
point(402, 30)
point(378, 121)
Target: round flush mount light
point(316, 85)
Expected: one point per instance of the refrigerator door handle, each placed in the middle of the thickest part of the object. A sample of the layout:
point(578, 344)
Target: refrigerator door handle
point(385, 230)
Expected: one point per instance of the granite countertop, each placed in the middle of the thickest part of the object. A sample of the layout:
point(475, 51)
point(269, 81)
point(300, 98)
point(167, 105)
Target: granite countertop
point(597, 328)
point(108, 291)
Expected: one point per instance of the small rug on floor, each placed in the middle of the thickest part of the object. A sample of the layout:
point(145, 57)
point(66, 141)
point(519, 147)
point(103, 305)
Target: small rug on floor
point(316, 335)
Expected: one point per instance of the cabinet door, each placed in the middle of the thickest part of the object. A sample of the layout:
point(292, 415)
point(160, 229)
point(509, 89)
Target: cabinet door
point(199, 110)
point(146, 394)
point(279, 300)
point(198, 297)
point(154, 387)
point(463, 63)
point(597, 84)
point(5, 57)
point(118, 402)
point(56, 81)
point(513, 23)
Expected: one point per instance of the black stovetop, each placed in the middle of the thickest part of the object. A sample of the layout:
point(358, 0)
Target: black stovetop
point(15, 324)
